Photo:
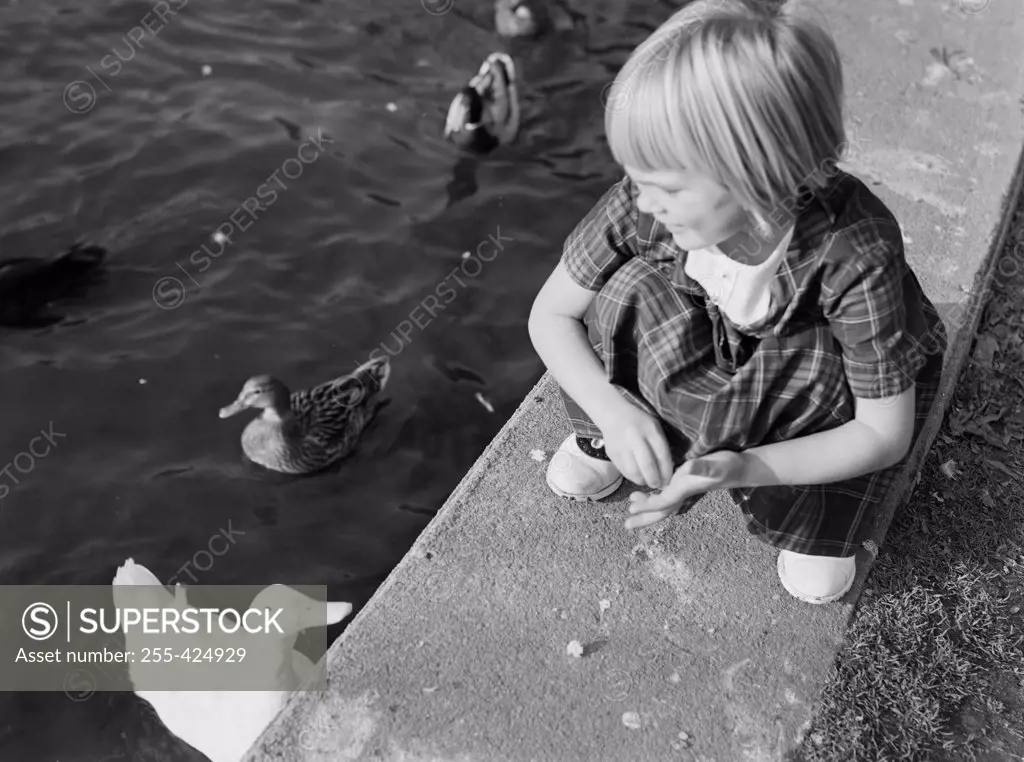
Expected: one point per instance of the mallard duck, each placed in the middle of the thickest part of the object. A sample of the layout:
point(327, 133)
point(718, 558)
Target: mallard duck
point(485, 113)
point(222, 724)
point(519, 18)
point(306, 431)
point(29, 285)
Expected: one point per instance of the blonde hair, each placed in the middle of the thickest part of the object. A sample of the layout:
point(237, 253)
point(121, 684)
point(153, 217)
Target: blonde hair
point(748, 95)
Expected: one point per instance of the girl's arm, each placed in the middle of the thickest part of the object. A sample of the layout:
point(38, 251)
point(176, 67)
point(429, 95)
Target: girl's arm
point(636, 443)
point(879, 437)
point(864, 299)
point(557, 331)
point(603, 241)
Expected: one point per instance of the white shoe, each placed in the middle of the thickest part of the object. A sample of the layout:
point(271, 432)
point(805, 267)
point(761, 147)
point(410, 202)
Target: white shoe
point(574, 474)
point(816, 579)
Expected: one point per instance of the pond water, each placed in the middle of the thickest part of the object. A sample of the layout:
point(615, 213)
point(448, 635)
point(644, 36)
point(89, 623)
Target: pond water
point(115, 131)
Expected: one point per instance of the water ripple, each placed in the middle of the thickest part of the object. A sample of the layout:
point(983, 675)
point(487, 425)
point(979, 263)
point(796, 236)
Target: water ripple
point(120, 135)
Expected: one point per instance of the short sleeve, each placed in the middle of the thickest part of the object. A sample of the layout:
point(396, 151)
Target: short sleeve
point(864, 300)
point(605, 239)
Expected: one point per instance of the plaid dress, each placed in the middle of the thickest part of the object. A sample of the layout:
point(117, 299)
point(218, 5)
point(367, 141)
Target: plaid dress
point(847, 319)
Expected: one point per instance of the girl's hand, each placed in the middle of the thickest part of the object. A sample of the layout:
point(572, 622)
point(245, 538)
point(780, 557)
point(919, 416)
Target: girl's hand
point(636, 444)
point(719, 470)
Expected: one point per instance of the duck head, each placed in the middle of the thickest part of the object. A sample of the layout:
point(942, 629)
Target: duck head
point(486, 112)
point(262, 392)
point(518, 18)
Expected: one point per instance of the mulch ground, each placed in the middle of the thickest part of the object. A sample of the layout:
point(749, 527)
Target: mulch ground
point(933, 667)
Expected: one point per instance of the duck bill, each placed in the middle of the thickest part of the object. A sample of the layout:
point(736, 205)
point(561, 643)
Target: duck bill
point(235, 407)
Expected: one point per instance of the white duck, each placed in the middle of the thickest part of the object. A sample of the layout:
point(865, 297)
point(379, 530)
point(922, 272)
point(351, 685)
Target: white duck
point(224, 724)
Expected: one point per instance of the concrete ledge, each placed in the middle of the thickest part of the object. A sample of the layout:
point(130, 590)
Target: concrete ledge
point(461, 654)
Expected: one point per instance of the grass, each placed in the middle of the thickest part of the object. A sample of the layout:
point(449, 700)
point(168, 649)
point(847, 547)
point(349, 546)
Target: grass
point(933, 665)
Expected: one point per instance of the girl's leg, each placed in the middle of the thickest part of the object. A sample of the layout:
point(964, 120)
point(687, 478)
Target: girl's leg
point(818, 528)
point(584, 429)
point(580, 469)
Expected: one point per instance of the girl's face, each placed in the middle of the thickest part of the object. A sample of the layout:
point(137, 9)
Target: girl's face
point(697, 211)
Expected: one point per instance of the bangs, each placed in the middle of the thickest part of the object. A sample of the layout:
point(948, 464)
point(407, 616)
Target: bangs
point(644, 125)
point(749, 98)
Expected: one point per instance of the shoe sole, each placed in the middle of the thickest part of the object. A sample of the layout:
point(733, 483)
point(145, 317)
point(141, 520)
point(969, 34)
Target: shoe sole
point(816, 600)
point(588, 498)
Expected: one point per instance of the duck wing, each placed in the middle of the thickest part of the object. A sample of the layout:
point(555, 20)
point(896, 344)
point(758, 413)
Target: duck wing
point(325, 420)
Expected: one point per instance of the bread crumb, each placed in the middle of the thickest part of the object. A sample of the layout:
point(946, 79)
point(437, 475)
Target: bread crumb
point(631, 720)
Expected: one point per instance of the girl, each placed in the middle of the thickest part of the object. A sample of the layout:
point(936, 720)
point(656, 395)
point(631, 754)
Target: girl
point(737, 313)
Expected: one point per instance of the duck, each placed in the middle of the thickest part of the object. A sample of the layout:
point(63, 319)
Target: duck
point(29, 285)
point(222, 724)
point(519, 18)
point(486, 112)
point(305, 432)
